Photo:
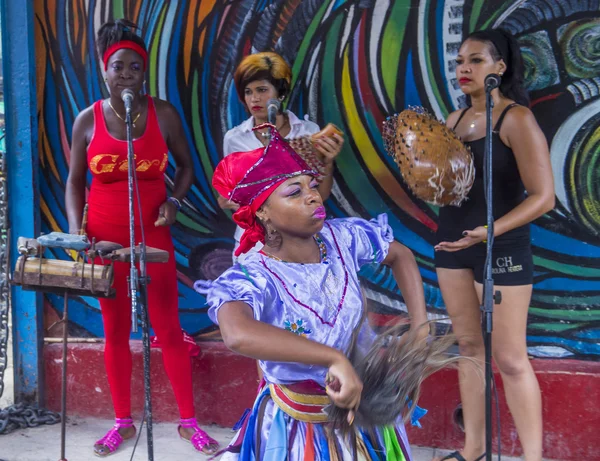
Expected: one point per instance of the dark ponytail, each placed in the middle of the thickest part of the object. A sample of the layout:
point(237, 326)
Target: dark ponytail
point(113, 32)
point(503, 45)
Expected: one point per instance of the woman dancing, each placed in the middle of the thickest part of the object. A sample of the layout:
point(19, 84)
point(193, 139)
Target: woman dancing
point(295, 306)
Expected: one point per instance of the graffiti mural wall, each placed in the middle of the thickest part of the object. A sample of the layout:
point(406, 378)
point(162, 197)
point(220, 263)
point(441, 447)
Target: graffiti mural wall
point(354, 63)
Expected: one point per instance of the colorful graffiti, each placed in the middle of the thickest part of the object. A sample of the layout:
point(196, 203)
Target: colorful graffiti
point(354, 62)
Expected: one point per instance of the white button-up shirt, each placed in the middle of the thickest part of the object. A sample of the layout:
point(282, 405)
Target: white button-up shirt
point(242, 139)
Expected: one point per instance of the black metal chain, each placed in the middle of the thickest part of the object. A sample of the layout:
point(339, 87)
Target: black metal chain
point(21, 416)
point(17, 416)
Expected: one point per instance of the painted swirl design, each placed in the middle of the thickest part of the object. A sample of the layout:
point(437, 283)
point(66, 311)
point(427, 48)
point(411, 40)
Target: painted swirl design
point(584, 173)
point(580, 45)
point(541, 69)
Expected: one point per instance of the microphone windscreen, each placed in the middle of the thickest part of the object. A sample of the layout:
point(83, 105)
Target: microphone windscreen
point(492, 81)
point(126, 94)
point(273, 103)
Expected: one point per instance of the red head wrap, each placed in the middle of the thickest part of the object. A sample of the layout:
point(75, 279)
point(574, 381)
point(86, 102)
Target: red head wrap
point(125, 44)
point(249, 178)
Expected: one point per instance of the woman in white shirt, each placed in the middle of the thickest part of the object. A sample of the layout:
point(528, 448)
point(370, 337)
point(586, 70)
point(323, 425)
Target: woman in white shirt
point(258, 78)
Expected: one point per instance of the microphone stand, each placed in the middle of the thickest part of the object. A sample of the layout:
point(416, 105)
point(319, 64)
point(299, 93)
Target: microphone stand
point(489, 296)
point(138, 283)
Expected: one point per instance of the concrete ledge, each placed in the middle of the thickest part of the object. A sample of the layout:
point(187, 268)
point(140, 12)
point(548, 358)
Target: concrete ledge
point(225, 385)
point(570, 398)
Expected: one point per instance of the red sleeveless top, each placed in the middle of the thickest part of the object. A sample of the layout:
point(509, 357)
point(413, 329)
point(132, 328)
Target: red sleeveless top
point(107, 161)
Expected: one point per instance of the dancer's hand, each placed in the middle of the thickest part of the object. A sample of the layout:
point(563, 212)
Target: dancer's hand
point(471, 237)
point(344, 387)
point(167, 214)
point(422, 330)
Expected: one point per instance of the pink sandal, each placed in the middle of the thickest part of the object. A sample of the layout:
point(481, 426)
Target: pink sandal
point(113, 440)
point(200, 439)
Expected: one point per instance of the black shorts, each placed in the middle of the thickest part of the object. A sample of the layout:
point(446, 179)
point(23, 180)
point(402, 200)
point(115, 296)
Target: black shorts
point(511, 264)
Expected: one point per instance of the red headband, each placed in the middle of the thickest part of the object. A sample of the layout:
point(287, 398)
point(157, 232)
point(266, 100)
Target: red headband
point(125, 44)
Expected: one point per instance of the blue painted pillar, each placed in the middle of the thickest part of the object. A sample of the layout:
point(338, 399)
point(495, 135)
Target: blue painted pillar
point(19, 73)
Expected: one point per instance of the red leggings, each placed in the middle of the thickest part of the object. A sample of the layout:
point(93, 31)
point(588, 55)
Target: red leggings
point(164, 319)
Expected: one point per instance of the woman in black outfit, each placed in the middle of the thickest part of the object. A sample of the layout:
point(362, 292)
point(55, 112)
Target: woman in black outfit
point(523, 190)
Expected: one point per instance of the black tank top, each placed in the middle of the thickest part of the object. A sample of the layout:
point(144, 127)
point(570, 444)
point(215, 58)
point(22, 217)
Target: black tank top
point(508, 192)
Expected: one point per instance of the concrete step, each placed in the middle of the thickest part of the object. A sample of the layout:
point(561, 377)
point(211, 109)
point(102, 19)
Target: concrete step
point(43, 443)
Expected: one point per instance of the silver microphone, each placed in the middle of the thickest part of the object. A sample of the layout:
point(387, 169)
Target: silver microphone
point(127, 97)
point(273, 106)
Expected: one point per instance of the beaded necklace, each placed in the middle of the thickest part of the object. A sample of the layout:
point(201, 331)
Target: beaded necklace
point(300, 303)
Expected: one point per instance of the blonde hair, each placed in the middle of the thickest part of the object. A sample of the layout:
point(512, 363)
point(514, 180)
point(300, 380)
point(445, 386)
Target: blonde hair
point(263, 66)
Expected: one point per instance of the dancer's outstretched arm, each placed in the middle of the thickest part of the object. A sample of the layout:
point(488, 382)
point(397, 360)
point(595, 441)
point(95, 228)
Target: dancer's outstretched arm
point(407, 275)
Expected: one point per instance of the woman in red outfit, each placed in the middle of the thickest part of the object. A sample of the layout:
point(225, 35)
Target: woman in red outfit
point(99, 143)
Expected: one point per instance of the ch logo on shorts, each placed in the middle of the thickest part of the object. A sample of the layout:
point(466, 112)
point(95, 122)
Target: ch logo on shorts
point(505, 264)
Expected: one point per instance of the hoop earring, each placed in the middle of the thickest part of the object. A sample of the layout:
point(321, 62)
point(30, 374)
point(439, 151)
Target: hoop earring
point(500, 74)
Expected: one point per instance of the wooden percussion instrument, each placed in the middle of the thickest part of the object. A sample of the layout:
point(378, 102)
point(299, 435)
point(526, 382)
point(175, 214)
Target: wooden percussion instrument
point(34, 272)
point(59, 276)
point(434, 163)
